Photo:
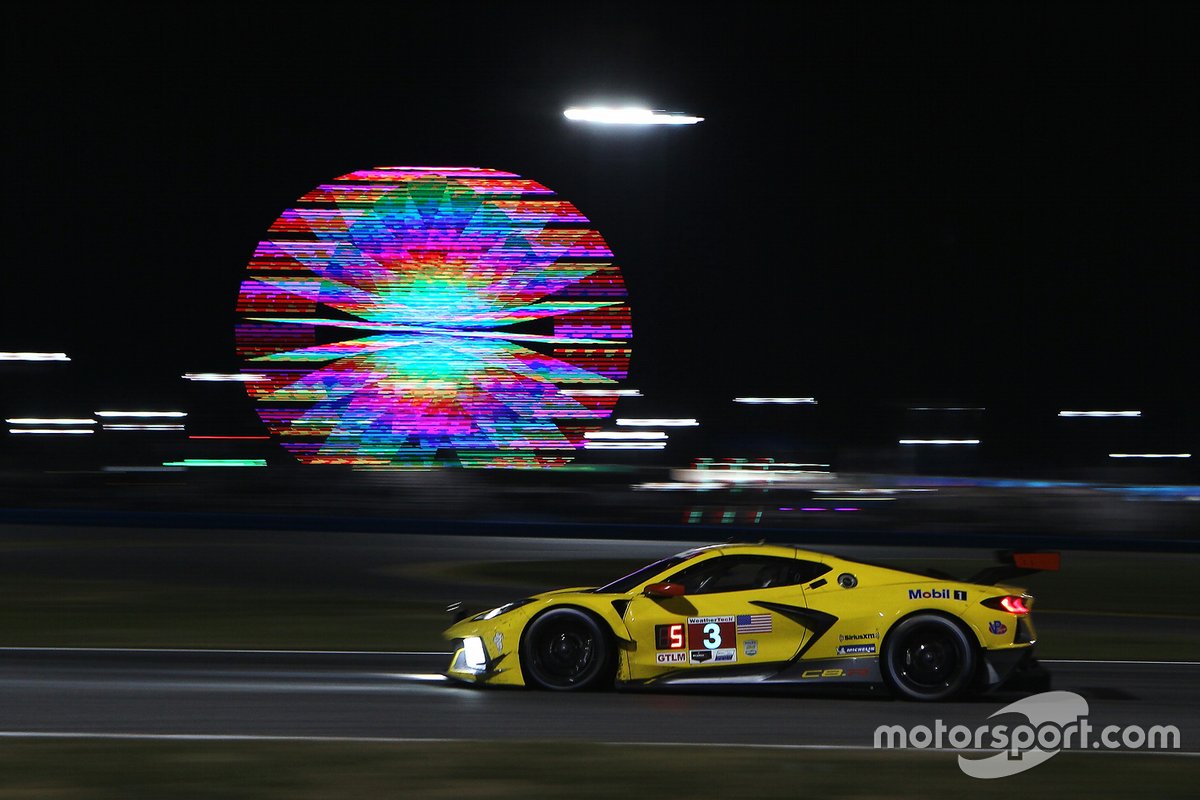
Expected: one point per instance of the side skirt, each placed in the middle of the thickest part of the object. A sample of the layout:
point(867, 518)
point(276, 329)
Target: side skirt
point(817, 672)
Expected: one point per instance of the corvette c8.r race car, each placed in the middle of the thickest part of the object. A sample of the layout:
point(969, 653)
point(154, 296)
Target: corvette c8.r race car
point(761, 614)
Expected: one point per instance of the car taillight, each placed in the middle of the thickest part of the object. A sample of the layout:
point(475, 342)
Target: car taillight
point(1009, 602)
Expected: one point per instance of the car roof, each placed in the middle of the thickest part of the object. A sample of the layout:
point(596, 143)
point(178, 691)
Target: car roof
point(759, 549)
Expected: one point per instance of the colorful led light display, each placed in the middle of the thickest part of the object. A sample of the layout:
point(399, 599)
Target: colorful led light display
point(413, 316)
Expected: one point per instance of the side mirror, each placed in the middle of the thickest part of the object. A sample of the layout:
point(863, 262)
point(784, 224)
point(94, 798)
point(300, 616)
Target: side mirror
point(665, 590)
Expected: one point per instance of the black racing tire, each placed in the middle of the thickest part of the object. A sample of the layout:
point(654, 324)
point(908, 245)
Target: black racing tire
point(566, 649)
point(928, 657)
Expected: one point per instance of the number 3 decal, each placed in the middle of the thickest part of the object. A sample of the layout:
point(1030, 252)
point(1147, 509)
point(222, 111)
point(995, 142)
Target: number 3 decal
point(712, 636)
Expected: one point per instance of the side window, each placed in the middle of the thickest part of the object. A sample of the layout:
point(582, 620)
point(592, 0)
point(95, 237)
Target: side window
point(805, 571)
point(739, 573)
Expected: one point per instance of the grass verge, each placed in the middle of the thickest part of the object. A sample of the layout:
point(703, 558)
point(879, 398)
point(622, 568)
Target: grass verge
point(97, 770)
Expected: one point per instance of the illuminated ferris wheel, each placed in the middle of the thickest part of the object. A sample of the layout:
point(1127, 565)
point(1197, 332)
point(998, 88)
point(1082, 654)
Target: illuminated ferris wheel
point(412, 316)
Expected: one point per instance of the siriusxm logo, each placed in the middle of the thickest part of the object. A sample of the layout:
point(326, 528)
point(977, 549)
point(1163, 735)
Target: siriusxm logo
point(936, 594)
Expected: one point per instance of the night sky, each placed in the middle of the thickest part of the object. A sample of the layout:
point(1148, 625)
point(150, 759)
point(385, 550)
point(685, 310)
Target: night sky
point(885, 206)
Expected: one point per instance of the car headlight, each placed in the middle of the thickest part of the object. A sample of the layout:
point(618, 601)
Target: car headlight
point(504, 609)
point(475, 654)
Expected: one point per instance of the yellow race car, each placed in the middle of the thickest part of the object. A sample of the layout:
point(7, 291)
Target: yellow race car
point(761, 614)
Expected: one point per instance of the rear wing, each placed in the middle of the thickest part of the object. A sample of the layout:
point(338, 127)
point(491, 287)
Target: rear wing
point(1015, 565)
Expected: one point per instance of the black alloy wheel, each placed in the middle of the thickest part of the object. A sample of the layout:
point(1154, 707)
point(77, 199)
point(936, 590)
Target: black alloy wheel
point(928, 657)
point(565, 649)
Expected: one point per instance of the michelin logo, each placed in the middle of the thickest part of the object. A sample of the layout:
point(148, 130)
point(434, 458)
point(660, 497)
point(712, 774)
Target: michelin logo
point(855, 649)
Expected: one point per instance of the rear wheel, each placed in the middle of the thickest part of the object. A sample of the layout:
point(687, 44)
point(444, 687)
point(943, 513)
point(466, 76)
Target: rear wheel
point(566, 649)
point(928, 657)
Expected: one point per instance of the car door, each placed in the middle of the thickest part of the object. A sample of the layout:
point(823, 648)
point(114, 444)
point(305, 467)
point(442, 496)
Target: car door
point(730, 614)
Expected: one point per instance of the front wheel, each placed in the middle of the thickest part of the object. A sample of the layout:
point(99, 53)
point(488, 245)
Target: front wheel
point(928, 657)
point(566, 649)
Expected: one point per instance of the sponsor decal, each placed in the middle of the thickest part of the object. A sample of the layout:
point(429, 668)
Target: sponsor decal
point(725, 654)
point(935, 594)
point(498, 640)
point(856, 637)
point(700, 656)
point(750, 647)
point(711, 633)
point(997, 627)
point(855, 649)
point(853, 672)
point(672, 658)
point(754, 623)
point(669, 637)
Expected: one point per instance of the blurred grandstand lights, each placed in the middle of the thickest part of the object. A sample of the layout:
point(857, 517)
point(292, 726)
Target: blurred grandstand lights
point(786, 401)
point(1149, 455)
point(625, 435)
point(669, 486)
point(50, 431)
point(625, 446)
point(217, 462)
point(939, 441)
point(666, 423)
point(628, 115)
point(224, 376)
point(603, 392)
point(125, 426)
point(49, 421)
point(34, 357)
point(1099, 413)
point(140, 413)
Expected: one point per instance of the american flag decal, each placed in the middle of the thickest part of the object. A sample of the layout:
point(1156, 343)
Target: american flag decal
point(754, 623)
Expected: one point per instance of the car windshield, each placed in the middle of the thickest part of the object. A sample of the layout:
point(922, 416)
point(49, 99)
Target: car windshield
point(623, 585)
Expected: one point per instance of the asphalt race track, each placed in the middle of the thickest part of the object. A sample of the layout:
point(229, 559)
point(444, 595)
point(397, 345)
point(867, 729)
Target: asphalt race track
point(389, 696)
point(401, 696)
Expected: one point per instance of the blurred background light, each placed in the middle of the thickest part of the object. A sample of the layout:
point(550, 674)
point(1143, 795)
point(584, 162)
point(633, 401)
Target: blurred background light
point(228, 437)
point(628, 115)
point(786, 401)
point(34, 357)
point(417, 276)
point(136, 468)
point(651, 422)
point(939, 441)
point(50, 430)
point(669, 486)
point(217, 462)
point(625, 435)
point(603, 392)
point(138, 414)
point(49, 421)
point(224, 376)
point(1149, 455)
point(133, 426)
point(1099, 413)
point(625, 445)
